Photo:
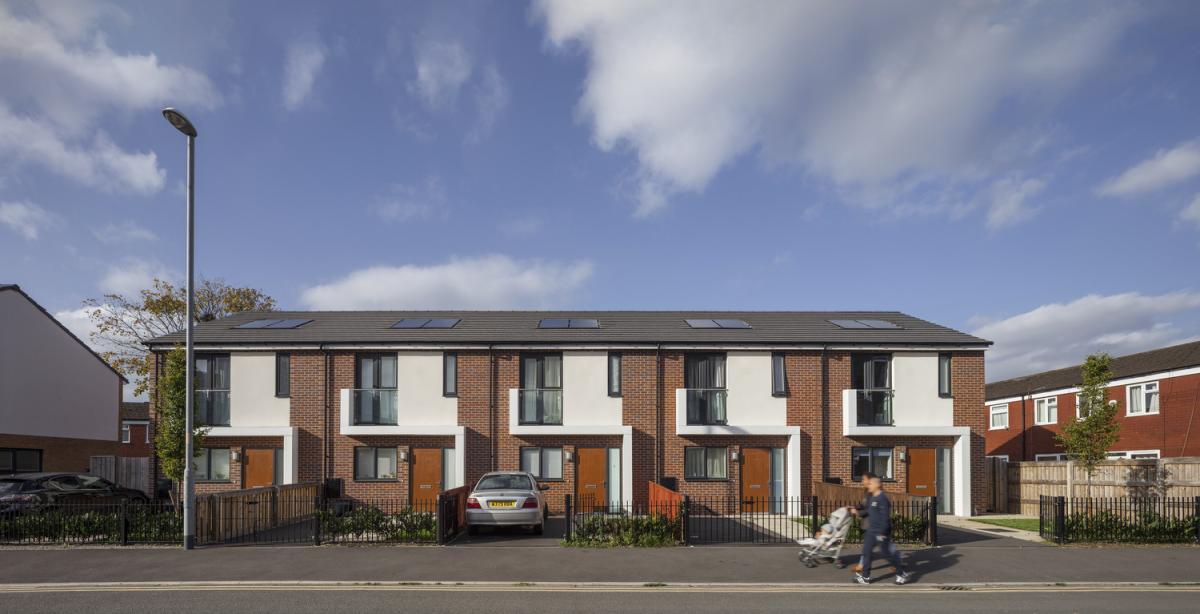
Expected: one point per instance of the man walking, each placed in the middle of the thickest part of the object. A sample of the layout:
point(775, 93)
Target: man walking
point(877, 509)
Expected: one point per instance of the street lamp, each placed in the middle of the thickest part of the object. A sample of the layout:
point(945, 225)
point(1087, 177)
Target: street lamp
point(182, 124)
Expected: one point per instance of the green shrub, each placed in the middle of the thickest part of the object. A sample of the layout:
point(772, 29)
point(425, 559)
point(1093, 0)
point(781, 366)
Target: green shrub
point(600, 530)
point(1146, 526)
point(370, 523)
point(904, 529)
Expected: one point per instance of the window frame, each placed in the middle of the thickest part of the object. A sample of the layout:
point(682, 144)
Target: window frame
point(12, 452)
point(1054, 456)
point(126, 432)
point(706, 477)
point(449, 384)
point(992, 417)
point(542, 462)
point(614, 383)
point(206, 453)
point(205, 412)
point(871, 450)
point(779, 387)
point(946, 388)
point(283, 385)
point(1141, 387)
point(375, 464)
point(540, 359)
point(1047, 401)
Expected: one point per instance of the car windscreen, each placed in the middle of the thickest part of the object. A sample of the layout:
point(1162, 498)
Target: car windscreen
point(11, 485)
point(505, 482)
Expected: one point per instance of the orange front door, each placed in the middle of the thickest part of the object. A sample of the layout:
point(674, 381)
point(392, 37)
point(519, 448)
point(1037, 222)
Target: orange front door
point(756, 479)
point(591, 476)
point(258, 467)
point(922, 471)
point(426, 477)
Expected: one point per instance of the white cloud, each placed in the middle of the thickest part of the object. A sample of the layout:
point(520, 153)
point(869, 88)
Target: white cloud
point(487, 282)
point(491, 98)
point(26, 218)
point(885, 96)
point(442, 69)
point(128, 231)
point(1063, 334)
point(413, 202)
point(62, 75)
point(1191, 213)
point(303, 64)
point(1168, 167)
point(101, 164)
point(132, 275)
point(1008, 201)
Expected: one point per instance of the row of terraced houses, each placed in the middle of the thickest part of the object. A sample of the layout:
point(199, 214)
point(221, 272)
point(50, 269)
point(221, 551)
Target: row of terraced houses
point(401, 405)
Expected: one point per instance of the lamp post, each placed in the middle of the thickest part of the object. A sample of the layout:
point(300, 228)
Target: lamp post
point(182, 124)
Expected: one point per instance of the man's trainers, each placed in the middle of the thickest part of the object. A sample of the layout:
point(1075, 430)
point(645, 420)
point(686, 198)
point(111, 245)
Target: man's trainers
point(861, 579)
point(902, 577)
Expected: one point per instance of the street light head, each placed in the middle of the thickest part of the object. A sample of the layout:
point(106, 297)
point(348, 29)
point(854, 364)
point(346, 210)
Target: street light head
point(180, 122)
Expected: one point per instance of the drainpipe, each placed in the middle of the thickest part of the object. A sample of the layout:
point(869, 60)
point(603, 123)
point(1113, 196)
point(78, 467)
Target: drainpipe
point(325, 443)
point(659, 460)
point(824, 412)
point(1024, 429)
point(492, 376)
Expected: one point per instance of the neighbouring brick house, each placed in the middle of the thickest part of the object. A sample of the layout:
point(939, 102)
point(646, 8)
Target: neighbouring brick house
point(59, 401)
point(136, 438)
point(401, 405)
point(1158, 394)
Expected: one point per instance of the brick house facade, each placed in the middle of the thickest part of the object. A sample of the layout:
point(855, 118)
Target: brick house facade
point(1158, 397)
point(644, 430)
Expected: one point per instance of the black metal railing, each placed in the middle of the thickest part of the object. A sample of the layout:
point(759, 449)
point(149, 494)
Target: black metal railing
point(874, 407)
point(725, 520)
point(351, 521)
point(116, 523)
point(1142, 520)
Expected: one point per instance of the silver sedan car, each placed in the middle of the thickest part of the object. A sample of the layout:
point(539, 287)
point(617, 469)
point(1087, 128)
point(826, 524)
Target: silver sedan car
point(506, 498)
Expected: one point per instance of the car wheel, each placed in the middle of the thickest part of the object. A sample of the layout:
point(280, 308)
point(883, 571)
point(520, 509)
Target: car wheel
point(537, 529)
point(545, 512)
point(472, 530)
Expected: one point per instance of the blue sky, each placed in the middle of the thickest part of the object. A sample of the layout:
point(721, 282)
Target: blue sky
point(1026, 171)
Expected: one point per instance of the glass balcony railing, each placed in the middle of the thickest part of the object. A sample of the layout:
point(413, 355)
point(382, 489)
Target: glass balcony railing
point(706, 406)
point(874, 406)
point(375, 407)
point(212, 407)
point(541, 406)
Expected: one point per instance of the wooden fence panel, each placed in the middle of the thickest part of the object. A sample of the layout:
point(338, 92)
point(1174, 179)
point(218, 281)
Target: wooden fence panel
point(229, 516)
point(1168, 477)
point(996, 479)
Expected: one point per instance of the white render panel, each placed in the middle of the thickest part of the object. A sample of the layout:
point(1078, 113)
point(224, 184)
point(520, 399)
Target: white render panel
point(915, 400)
point(585, 390)
point(749, 400)
point(252, 400)
point(419, 400)
point(49, 384)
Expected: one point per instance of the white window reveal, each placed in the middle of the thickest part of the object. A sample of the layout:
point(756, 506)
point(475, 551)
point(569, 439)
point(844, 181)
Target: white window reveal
point(1045, 411)
point(1143, 399)
point(999, 416)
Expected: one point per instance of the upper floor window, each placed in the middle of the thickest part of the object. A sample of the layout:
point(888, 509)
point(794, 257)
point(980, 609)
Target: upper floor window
point(283, 375)
point(704, 378)
point(871, 378)
point(212, 389)
point(1045, 411)
point(778, 375)
point(999, 416)
point(1143, 399)
point(614, 374)
point(944, 375)
point(450, 374)
point(375, 389)
point(125, 432)
point(541, 389)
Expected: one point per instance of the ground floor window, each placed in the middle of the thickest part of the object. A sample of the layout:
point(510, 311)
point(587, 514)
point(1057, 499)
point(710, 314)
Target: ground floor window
point(1133, 454)
point(20, 460)
point(1050, 457)
point(374, 463)
point(706, 463)
point(543, 463)
point(873, 460)
point(212, 465)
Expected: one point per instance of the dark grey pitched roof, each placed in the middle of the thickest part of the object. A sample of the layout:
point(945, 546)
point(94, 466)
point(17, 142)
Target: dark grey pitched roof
point(18, 290)
point(1163, 359)
point(512, 327)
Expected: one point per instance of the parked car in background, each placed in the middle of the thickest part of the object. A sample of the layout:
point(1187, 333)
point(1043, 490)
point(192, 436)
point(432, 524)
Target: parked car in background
point(26, 492)
point(508, 498)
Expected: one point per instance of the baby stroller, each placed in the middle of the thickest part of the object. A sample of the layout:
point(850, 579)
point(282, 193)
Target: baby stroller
point(827, 544)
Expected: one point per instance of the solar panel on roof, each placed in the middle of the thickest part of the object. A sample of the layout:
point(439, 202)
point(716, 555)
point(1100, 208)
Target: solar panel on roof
point(297, 323)
point(258, 323)
point(584, 323)
point(848, 324)
point(731, 323)
point(554, 323)
point(880, 324)
point(411, 323)
point(442, 323)
point(702, 323)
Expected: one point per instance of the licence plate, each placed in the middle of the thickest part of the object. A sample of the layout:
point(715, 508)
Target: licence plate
point(502, 504)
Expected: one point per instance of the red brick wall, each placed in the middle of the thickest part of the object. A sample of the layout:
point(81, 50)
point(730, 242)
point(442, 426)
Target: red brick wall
point(63, 453)
point(1171, 431)
point(137, 446)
